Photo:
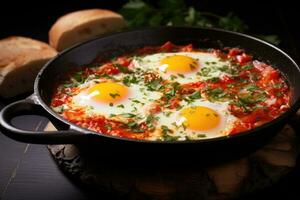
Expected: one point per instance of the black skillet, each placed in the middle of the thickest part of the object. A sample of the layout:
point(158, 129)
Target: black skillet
point(119, 43)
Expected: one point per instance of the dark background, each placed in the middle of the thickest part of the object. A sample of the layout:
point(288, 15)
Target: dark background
point(28, 172)
point(34, 18)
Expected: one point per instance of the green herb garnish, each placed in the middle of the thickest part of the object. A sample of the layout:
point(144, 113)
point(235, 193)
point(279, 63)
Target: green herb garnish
point(247, 67)
point(278, 85)
point(154, 85)
point(114, 95)
point(195, 95)
point(108, 126)
point(128, 80)
point(121, 106)
point(122, 68)
point(128, 115)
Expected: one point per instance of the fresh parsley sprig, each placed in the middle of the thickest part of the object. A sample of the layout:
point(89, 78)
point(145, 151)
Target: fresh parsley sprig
point(139, 13)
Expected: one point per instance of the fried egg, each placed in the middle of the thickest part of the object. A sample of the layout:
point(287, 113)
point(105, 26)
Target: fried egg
point(114, 100)
point(198, 120)
point(184, 67)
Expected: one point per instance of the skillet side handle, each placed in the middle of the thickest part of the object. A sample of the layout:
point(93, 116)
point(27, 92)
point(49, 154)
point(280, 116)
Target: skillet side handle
point(25, 107)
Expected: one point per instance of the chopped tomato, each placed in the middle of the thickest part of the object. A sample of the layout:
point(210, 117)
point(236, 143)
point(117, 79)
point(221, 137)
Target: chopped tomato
point(124, 61)
point(88, 71)
point(244, 58)
point(174, 103)
point(57, 102)
point(227, 79)
point(195, 85)
point(74, 114)
point(187, 48)
point(109, 69)
point(168, 46)
point(240, 127)
point(274, 75)
point(234, 51)
point(259, 65)
point(155, 109)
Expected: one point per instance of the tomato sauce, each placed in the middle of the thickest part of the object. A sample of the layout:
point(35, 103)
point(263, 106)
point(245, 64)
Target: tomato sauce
point(266, 96)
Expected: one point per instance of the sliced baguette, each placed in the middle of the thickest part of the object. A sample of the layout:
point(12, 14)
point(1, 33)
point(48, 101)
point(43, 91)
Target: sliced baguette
point(83, 25)
point(20, 60)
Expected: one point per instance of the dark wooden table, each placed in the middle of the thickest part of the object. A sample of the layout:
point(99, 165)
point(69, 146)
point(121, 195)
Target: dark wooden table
point(28, 172)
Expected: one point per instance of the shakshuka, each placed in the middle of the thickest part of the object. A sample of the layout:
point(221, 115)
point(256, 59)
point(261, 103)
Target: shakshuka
point(172, 93)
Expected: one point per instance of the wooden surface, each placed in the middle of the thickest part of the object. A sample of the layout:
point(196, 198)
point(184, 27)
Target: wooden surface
point(28, 171)
point(171, 181)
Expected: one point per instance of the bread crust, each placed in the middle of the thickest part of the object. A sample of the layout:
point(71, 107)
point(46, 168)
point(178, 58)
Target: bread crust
point(20, 60)
point(72, 22)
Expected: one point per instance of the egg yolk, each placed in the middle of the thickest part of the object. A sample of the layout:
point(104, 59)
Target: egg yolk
point(108, 92)
point(200, 118)
point(179, 64)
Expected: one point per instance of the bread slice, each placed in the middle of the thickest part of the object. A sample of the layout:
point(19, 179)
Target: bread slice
point(83, 25)
point(20, 60)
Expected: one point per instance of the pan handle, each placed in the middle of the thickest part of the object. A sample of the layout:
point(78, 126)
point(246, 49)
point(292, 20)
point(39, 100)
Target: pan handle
point(28, 106)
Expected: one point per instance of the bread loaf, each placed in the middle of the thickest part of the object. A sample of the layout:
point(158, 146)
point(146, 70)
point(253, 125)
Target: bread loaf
point(20, 60)
point(83, 25)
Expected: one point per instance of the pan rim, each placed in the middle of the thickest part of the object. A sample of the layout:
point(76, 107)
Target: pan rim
point(294, 107)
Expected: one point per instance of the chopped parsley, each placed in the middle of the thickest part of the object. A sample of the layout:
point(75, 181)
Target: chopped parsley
point(128, 80)
point(193, 66)
point(108, 126)
point(195, 95)
point(247, 67)
point(168, 113)
point(230, 85)
point(213, 79)
point(132, 124)
point(78, 76)
point(135, 101)
point(166, 136)
point(278, 86)
point(122, 68)
point(252, 88)
point(181, 75)
point(137, 130)
point(70, 85)
point(134, 127)
point(201, 135)
point(120, 106)
point(150, 120)
point(278, 94)
point(165, 129)
point(172, 89)
point(228, 69)
point(114, 95)
point(173, 77)
point(128, 115)
point(215, 94)
point(204, 71)
point(154, 85)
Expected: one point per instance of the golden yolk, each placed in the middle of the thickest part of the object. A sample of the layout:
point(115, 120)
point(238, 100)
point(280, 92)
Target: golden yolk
point(179, 64)
point(108, 92)
point(200, 118)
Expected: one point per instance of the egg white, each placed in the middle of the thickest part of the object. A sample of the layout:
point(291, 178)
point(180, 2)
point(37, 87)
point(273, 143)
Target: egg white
point(174, 122)
point(137, 102)
point(204, 60)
